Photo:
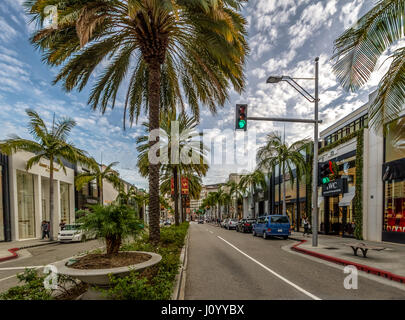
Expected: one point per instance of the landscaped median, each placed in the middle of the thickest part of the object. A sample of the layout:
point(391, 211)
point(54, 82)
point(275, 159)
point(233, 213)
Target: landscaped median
point(152, 283)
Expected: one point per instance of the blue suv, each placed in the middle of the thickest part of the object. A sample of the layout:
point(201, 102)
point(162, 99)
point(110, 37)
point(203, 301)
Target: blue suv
point(272, 225)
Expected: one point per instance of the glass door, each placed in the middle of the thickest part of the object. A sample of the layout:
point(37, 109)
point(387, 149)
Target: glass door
point(26, 208)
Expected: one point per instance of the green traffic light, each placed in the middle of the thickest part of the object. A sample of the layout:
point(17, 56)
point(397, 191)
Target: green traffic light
point(325, 180)
point(242, 123)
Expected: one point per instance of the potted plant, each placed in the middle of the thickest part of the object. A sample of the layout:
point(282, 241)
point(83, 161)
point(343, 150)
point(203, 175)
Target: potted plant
point(114, 224)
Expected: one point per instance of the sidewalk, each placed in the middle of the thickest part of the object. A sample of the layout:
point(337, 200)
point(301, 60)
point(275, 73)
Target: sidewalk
point(388, 263)
point(8, 249)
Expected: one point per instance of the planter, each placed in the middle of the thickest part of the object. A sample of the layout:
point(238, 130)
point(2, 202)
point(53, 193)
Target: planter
point(100, 277)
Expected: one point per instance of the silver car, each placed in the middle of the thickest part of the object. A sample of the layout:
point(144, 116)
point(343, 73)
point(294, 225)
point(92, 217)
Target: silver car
point(231, 224)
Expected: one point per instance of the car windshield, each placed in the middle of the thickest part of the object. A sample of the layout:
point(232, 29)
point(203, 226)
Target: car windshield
point(281, 219)
point(71, 227)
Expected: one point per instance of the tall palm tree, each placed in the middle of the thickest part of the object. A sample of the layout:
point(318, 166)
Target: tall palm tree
point(178, 138)
point(169, 51)
point(288, 157)
point(357, 52)
point(235, 192)
point(255, 181)
point(99, 173)
point(49, 143)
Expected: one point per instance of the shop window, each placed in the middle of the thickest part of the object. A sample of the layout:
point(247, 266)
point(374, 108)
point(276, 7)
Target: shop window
point(65, 203)
point(2, 238)
point(26, 209)
point(395, 140)
point(394, 206)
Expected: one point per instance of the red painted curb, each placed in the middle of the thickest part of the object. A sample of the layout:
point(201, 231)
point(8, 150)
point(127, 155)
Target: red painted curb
point(362, 267)
point(14, 255)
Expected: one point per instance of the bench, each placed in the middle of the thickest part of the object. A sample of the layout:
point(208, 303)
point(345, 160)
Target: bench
point(363, 247)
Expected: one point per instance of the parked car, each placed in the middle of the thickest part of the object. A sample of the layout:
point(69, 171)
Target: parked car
point(231, 224)
point(223, 223)
point(273, 225)
point(245, 225)
point(73, 233)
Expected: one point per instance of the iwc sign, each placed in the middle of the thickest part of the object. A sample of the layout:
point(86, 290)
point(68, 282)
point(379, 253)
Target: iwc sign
point(334, 188)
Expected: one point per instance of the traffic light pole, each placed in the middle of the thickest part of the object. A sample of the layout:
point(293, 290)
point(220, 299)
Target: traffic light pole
point(315, 167)
point(316, 122)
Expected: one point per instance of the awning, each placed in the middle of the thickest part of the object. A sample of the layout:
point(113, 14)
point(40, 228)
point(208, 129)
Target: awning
point(347, 199)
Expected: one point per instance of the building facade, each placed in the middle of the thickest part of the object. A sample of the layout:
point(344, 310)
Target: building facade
point(29, 196)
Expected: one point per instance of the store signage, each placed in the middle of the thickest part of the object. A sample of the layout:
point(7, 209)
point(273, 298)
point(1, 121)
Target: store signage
point(184, 186)
point(335, 187)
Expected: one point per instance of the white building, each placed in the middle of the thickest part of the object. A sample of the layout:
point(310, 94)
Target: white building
point(29, 196)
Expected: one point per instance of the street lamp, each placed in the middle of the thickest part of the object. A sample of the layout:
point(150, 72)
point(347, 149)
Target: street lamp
point(315, 100)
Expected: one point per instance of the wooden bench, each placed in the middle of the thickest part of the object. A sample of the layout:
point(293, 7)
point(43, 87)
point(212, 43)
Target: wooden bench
point(363, 247)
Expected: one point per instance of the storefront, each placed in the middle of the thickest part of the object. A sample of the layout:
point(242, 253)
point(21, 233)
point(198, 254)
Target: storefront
point(394, 182)
point(30, 196)
point(5, 228)
point(336, 204)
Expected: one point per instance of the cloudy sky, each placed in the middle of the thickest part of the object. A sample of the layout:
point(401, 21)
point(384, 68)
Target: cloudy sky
point(284, 36)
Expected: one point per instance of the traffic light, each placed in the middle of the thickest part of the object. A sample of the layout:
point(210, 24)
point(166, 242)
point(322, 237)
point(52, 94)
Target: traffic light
point(241, 117)
point(325, 169)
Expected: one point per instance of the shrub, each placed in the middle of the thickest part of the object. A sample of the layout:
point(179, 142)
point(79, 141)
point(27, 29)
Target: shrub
point(32, 289)
point(156, 282)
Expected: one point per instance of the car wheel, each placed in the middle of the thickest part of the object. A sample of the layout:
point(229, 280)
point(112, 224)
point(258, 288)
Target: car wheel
point(285, 237)
point(264, 235)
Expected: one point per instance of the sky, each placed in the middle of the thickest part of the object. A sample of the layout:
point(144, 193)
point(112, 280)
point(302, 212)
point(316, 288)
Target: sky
point(284, 37)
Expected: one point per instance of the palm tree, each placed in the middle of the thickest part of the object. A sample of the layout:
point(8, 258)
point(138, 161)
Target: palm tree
point(236, 192)
point(255, 181)
point(50, 144)
point(276, 152)
point(357, 52)
point(98, 173)
point(178, 132)
point(171, 52)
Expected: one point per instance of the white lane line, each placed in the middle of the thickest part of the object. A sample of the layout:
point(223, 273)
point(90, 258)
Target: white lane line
point(272, 272)
point(20, 268)
point(211, 232)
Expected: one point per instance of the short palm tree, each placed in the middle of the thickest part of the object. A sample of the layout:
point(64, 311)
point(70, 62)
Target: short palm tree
point(255, 181)
point(99, 173)
point(49, 143)
point(288, 157)
point(186, 143)
point(168, 52)
point(357, 52)
point(114, 223)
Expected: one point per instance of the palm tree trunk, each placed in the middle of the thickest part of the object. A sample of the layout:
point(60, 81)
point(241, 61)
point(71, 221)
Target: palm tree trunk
point(154, 109)
point(51, 200)
point(284, 204)
point(100, 191)
point(176, 197)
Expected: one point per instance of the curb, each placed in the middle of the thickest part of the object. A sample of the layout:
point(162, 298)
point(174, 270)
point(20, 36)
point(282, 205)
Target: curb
point(180, 280)
point(362, 267)
point(13, 254)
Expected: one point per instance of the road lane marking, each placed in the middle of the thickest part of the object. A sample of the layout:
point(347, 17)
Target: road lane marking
point(211, 232)
point(20, 268)
point(273, 272)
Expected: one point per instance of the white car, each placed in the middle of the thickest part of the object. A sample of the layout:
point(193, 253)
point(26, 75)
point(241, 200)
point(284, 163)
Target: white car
point(72, 232)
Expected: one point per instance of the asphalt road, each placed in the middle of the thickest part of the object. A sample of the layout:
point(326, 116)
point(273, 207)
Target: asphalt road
point(41, 256)
point(226, 264)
